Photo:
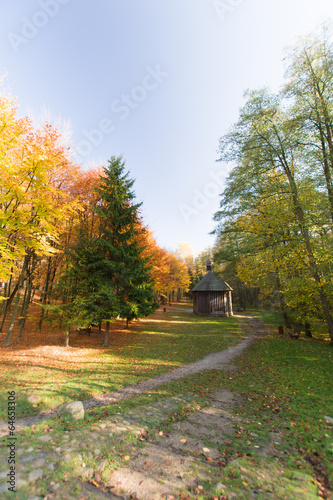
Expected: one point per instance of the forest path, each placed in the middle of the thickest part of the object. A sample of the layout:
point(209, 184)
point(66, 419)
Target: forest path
point(215, 361)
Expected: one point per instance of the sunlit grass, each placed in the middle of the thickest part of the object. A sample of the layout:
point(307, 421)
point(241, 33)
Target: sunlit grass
point(283, 444)
point(155, 346)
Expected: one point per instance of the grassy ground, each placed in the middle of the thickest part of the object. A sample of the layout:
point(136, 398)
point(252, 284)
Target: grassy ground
point(149, 348)
point(284, 446)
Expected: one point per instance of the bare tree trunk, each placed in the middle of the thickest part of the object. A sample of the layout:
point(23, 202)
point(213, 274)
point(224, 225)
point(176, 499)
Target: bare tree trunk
point(44, 294)
point(106, 335)
point(282, 303)
point(3, 302)
point(27, 296)
point(32, 294)
point(67, 332)
point(12, 320)
point(19, 288)
point(12, 295)
point(4, 309)
point(25, 307)
point(54, 270)
point(308, 332)
point(7, 303)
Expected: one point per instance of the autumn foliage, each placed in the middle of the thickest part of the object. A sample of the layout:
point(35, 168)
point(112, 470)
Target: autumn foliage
point(47, 206)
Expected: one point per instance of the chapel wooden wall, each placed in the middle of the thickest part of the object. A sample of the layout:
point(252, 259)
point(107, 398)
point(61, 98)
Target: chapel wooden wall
point(212, 303)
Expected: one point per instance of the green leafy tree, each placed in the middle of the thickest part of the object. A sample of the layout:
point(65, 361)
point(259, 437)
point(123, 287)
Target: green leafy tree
point(277, 199)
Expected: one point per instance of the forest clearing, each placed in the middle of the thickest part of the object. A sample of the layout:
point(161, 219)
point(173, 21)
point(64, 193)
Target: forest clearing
point(275, 440)
point(133, 364)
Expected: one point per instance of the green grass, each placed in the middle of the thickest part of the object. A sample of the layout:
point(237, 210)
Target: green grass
point(272, 318)
point(174, 338)
point(287, 391)
point(283, 446)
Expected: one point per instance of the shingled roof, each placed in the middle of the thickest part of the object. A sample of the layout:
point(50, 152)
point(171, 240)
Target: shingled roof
point(211, 282)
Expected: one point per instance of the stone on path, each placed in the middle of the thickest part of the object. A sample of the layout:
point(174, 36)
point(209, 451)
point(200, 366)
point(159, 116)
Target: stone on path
point(101, 465)
point(220, 487)
point(39, 463)
point(45, 438)
point(74, 408)
point(35, 474)
point(86, 473)
point(34, 399)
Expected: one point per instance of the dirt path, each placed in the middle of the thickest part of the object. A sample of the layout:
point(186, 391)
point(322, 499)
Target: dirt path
point(214, 361)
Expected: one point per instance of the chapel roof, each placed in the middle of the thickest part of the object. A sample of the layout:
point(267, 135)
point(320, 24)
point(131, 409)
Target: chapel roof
point(211, 282)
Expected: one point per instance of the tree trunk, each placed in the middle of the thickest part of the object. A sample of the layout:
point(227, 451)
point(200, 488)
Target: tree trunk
point(44, 294)
point(5, 309)
point(19, 287)
point(3, 302)
point(282, 303)
point(54, 270)
point(25, 307)
point(8, 302)
point(12, 320)
point(106, 335)
point(22, 310)
point(27, 296)
point(307, 327)
point(10, 282)
point(24, 299)
point(67, 337)
point(326, 168)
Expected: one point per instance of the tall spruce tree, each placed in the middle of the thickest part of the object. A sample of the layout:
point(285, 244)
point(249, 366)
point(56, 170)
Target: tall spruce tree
point(125, 266)
point(86, 291)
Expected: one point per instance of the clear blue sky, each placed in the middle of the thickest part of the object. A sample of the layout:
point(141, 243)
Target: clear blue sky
point(158, 81)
